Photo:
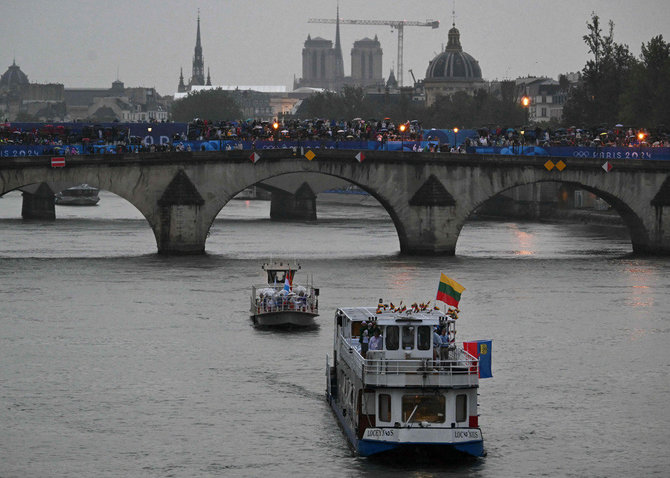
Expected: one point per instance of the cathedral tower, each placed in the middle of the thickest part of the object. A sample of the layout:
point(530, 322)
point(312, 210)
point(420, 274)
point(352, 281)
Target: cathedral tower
point(366, 62)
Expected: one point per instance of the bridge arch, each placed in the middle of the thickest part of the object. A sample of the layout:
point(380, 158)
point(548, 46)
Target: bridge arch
point(222, 200)
point(32, 185)
point(635, 224)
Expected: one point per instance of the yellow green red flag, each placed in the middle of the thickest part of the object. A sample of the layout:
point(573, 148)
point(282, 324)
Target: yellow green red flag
point(449, 291)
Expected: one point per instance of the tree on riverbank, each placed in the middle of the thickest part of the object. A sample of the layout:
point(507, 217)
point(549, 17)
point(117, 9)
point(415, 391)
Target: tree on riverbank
point(647, 99)
point(460, 109)
point(206, 104)
point(616, 87)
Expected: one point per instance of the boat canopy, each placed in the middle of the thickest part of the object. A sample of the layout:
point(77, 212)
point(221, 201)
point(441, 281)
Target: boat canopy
point(279, 271)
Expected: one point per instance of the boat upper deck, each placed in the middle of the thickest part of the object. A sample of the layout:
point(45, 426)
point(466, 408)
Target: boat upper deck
point(407, 356)
point(80, 190)
point(281, 293)
point(267, 298)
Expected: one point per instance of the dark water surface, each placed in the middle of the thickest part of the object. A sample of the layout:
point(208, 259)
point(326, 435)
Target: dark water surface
point(119, 363)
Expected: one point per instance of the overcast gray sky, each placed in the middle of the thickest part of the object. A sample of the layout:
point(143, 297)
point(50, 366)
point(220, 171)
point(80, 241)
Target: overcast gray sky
point(82, 43)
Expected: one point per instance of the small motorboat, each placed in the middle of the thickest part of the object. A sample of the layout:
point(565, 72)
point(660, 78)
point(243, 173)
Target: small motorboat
point(281, 301)
point(81, 195)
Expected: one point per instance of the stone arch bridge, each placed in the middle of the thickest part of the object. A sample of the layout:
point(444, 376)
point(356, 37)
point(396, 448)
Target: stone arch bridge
point(428, 196)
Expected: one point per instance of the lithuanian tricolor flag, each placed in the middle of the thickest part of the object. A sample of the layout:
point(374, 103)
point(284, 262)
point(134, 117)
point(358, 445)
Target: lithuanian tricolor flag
point(449, 291)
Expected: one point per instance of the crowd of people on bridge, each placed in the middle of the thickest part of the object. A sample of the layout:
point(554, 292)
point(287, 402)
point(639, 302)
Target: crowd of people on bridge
point(356, 129)
point(618, 136)
point(93, 137)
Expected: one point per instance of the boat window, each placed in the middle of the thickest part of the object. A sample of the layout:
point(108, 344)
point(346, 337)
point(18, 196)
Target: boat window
point(408, 337)
point(423, 408)
point(384, 407)
point(355, 329)
point(461, 407)
point(392, 337)
point(423, 338)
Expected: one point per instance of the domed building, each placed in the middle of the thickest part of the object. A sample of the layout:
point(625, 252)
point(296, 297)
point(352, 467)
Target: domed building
point(452, 70)
point(19, 97)
point(13, 79)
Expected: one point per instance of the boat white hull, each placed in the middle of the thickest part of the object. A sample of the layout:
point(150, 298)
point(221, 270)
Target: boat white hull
point(395, 441)
point(284, 318)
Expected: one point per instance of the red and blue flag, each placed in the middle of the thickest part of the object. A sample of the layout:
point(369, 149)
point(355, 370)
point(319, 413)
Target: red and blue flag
point(482, 350)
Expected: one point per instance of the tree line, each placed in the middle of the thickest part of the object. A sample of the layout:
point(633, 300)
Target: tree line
point(616, 87)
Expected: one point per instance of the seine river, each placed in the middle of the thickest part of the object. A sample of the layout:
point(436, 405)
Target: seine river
point(116, 362)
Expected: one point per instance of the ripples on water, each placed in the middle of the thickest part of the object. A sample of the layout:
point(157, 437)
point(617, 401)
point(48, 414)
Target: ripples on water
point(119, 362)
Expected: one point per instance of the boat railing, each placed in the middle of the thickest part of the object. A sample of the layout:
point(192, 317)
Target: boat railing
point(278, 303)
point(460, 368)
point(261, 309)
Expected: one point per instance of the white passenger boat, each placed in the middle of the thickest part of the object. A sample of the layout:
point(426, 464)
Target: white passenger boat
point(281, 302)
point(402, 399)
point(81, 195)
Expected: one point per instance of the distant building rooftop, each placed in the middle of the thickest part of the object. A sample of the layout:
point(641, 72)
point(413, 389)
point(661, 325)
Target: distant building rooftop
point(259, 88)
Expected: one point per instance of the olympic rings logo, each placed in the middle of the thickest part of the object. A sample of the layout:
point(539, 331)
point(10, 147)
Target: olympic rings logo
point(581, 154)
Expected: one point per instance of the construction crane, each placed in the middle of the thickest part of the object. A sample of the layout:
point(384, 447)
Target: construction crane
point(413, 77)
point(396, 24)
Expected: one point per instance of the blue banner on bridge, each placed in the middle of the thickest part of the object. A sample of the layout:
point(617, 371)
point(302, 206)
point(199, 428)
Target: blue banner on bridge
point(164, 139)
point(11, 151)
point(576, 152)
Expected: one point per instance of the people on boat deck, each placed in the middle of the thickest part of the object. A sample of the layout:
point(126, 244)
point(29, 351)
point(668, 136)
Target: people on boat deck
point(437, 341)
point(271, 298)
point(444, 344)
point(364, 339)
point(376, 341)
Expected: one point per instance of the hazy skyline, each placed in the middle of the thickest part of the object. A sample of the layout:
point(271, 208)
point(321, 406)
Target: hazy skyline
point(259, 42)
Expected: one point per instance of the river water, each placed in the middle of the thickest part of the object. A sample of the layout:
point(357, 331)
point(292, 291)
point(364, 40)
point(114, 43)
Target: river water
point(117, 362)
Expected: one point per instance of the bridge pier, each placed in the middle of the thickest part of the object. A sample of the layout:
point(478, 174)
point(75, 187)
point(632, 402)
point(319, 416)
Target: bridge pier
point(657, 241)
point(39, 204)
point(430, 236)
point(300, 206)
point(181, 228)
point(429, 230)
point(428, 224)
point(180, 231)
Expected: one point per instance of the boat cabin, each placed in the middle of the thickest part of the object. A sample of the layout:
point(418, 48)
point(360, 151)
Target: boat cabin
point(409, 381)
point(82, 190)
point(278, 271)
point(404, 335)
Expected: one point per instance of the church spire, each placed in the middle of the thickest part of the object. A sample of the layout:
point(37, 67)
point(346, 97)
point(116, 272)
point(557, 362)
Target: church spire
point(198, 72)
point(339, 61)
point(198, 45)
point(182, 87)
